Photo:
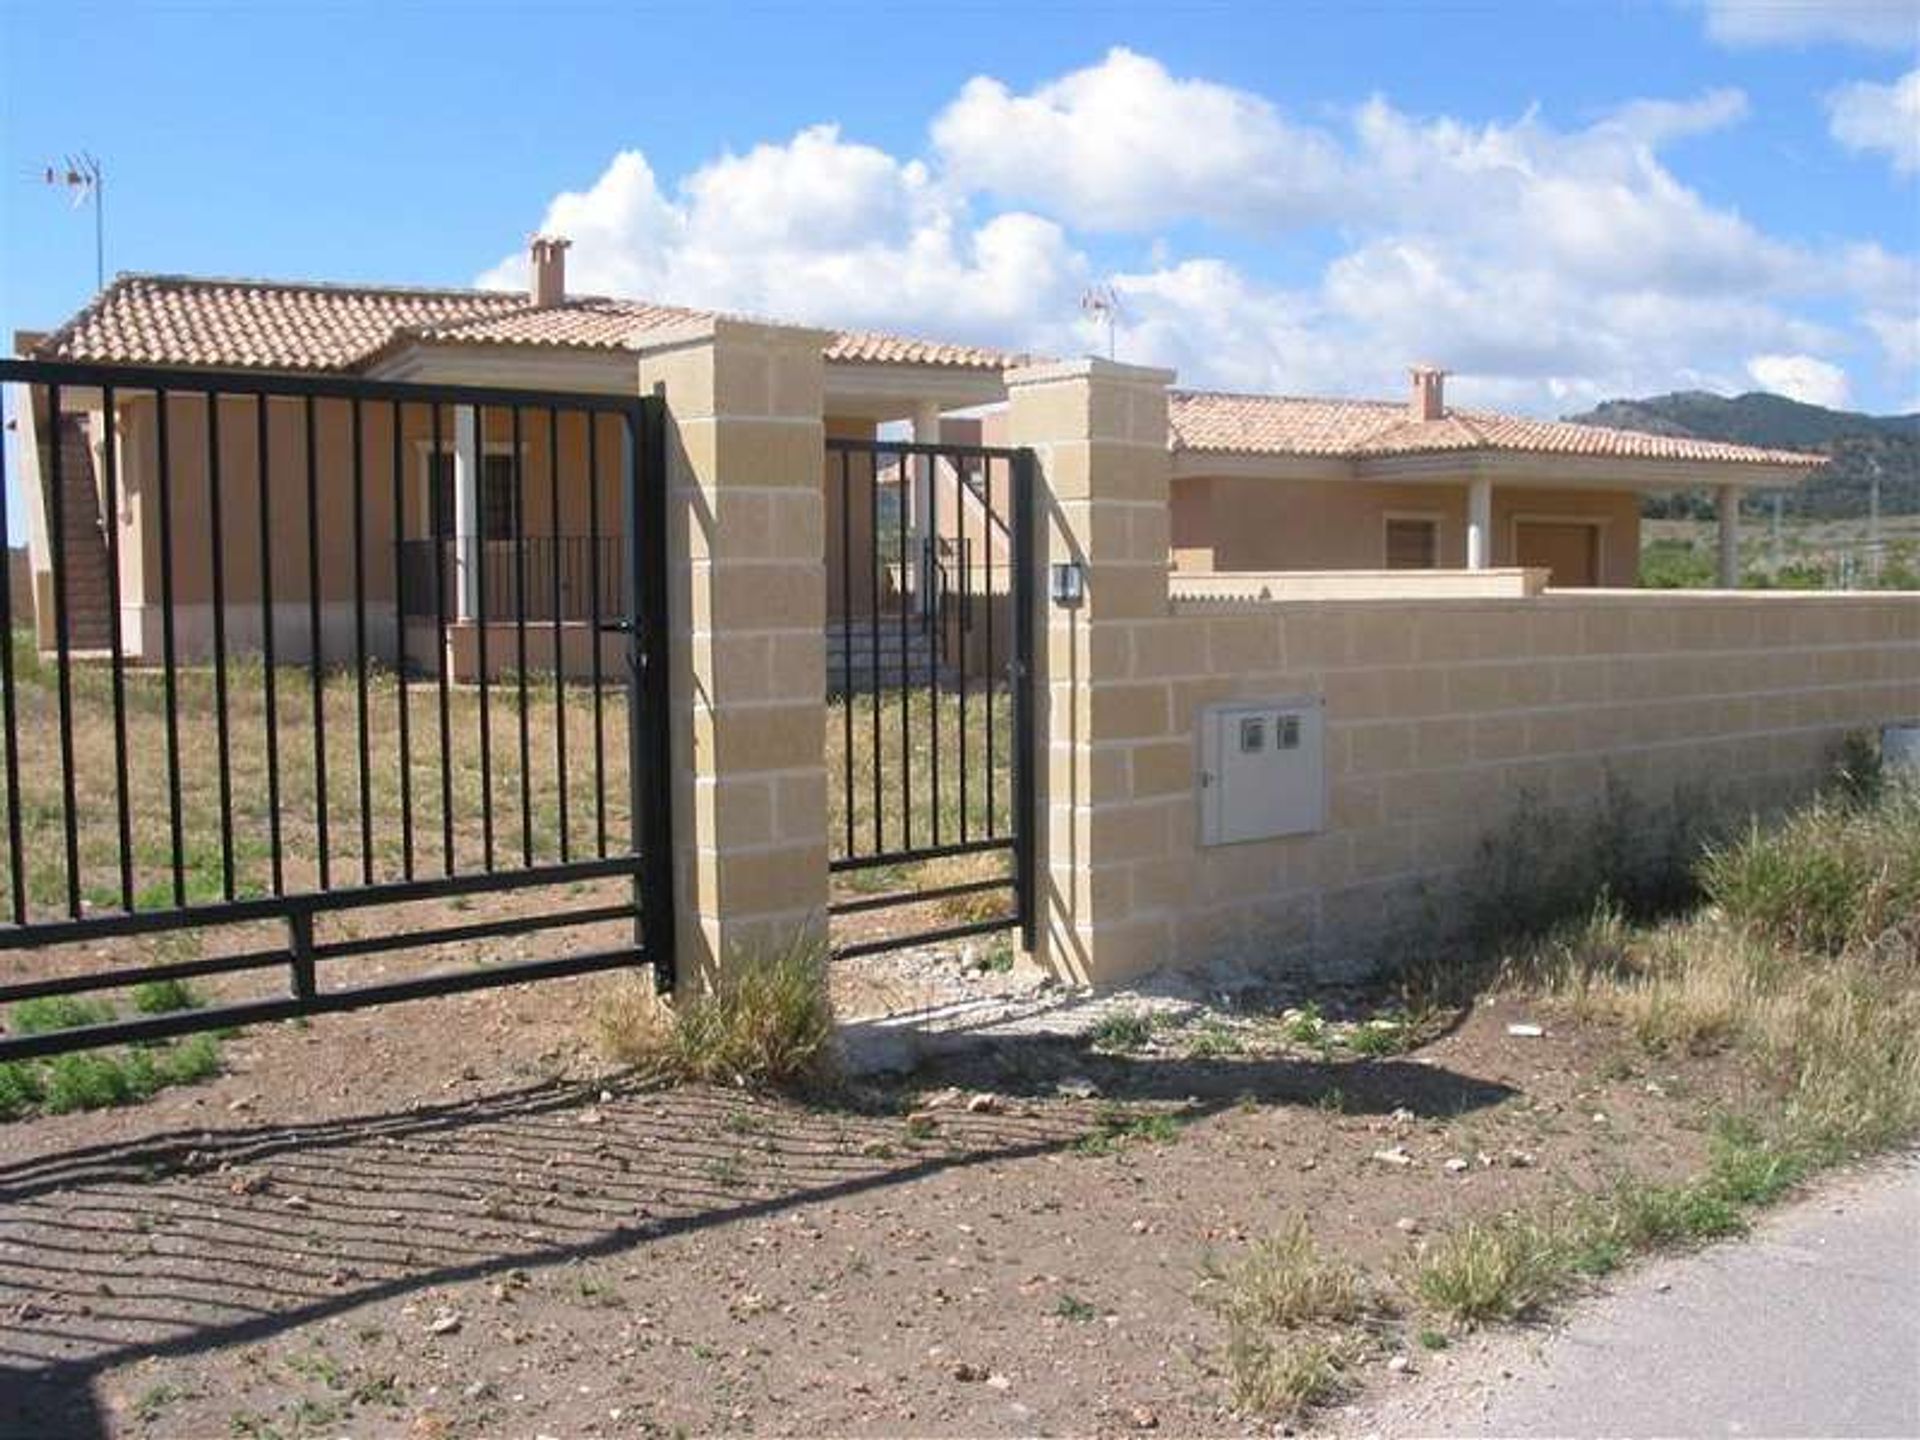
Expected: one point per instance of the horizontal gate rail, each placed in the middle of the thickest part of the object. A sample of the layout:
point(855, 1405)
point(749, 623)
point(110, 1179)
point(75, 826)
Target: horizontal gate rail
point(929, 650)
point(264, 649)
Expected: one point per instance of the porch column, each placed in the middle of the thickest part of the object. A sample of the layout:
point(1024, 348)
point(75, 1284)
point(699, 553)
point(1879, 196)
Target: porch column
point(466, 515)
point(920, 498)
point(1480, 524)
point(746, 537)
point(1726, 505)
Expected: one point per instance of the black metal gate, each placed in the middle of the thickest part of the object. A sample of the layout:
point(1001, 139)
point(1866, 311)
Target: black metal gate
point(313, 658)
point(929, 664)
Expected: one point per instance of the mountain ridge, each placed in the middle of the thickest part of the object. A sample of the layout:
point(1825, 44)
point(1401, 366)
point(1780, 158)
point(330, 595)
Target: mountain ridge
point(1856, 444)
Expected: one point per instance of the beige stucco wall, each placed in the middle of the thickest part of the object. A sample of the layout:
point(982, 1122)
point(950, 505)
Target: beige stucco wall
point(190, 503)
point(1226, 522)
point(1440, 714)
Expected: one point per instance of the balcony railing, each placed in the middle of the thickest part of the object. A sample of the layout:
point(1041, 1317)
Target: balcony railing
point(557, 570)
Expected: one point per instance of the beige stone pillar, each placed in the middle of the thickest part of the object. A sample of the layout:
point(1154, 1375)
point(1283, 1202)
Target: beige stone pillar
point(1480, 524)
point(748, 613)
point(1099, 433)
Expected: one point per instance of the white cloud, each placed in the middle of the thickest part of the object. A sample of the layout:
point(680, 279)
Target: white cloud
point(1866, 116)
point(1123, 145)
point(1802, 377)
point(1881, 24)
point(1548, 266)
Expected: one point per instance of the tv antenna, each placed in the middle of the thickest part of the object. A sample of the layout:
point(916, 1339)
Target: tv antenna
point(1101, 304)
point(85, 180)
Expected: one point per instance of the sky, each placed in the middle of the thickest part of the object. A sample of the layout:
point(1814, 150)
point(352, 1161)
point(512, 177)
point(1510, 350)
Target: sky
point(1559, 202)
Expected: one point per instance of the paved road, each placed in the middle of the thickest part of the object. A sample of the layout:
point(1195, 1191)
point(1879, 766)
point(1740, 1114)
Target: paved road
point(1809, 1327)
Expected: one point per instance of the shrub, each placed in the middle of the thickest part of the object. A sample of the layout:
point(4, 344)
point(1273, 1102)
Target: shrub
point(57, 1012)
point(159, 997)
point(768, 1024)
point(1123, 1030)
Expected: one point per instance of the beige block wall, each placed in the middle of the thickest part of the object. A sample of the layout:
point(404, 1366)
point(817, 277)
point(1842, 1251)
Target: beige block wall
point(1440, 714)
point(1230, 523)
point(190, 497)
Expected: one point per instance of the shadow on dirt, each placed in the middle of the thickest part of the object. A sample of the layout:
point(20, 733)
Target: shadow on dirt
point(189, 1242)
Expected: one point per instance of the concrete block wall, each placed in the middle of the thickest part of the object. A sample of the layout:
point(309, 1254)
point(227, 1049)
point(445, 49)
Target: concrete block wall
point(1441, 714)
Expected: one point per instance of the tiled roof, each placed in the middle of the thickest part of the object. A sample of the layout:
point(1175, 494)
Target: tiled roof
point(272, 325)
point(1357, 429)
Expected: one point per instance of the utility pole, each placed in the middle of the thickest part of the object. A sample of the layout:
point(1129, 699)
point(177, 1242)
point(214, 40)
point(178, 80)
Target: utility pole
point(83, 178)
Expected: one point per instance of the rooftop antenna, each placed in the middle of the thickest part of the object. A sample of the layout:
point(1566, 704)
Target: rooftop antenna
point(85, 180)
point(1102, 305)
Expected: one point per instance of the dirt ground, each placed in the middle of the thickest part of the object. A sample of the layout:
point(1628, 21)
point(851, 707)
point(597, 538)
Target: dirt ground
point(449, 1219)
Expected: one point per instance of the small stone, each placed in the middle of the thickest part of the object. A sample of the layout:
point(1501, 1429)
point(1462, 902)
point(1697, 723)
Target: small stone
point(1455, 1165)
point(1407, 1225)
point(444, 1322)
point(1397, 1155)
point(1142, 1418)
point(1077, 1087)
point(984, 1103)
point(968, 1373)
point(1399, 1364)
point(999, 1382)
point(1524, 1031)
point(298, 1202)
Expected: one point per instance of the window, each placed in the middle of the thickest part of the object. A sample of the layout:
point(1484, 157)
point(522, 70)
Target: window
point(1412, 544)
point(497, 494)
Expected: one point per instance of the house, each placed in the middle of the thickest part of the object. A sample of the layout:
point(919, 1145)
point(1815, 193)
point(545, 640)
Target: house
point(1274, 483)
point(488, 502)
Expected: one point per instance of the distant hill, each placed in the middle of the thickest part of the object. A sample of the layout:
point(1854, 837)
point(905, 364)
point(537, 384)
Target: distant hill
point(1855, 443)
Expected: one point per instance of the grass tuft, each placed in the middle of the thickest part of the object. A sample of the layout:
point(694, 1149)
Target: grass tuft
point(1122, 1030)
point(767, 1025)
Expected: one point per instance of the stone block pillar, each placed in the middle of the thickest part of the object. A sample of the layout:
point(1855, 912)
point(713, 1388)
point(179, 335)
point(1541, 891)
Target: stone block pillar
point(1099, 433)
point(748, 611)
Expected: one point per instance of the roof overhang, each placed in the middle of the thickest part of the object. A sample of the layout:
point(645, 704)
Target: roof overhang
point(1535, 470)
point(866, 390)
point(521, 367)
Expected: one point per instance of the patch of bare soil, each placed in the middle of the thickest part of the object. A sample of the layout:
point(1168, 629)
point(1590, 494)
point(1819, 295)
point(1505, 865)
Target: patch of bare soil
point(446, 1219)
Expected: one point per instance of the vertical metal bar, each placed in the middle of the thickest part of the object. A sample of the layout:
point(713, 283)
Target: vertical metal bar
point(360, 642)
point(966, 600)
point(316, 671)
point(651, 759)
point(906, 674)
point(987, 524)
point(937, 578)
point(300, 952)
point(846, 639)
point(123, 799)
point(593, 577)
point(217, 542)
point(520, 644)
point(478, 559)
point(10, 721)
point(169, 661)
point(398, 478)
point(270, 695)
point(1021, 506)
point(873, 627)
point(559, 637)
point(442, 662)
point(63, 650)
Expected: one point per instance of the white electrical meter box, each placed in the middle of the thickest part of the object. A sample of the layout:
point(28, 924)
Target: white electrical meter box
point(1263, 769)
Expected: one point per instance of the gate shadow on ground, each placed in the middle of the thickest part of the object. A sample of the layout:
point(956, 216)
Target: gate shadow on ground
point(183, 1243)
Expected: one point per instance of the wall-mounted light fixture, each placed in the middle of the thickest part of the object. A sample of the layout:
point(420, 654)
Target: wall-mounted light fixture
point(1069, 584)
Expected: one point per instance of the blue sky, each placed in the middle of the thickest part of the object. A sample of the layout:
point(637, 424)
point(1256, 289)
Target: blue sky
point(1559, 201)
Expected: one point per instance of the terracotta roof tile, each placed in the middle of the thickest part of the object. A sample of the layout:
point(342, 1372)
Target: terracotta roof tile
point(1224, 424)
point(272, 325)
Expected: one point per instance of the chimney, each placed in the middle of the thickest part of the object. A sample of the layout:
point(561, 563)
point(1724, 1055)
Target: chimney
point(1429, 400)
point(549, 255)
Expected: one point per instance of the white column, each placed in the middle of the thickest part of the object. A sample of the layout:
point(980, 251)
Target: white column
point(1726, 504)
point(919, 497)
point(466, 516)
point(1480, 525)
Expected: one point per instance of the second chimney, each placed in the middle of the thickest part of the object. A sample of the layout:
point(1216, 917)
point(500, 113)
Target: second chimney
point(549, 256)
point(1429, 400)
